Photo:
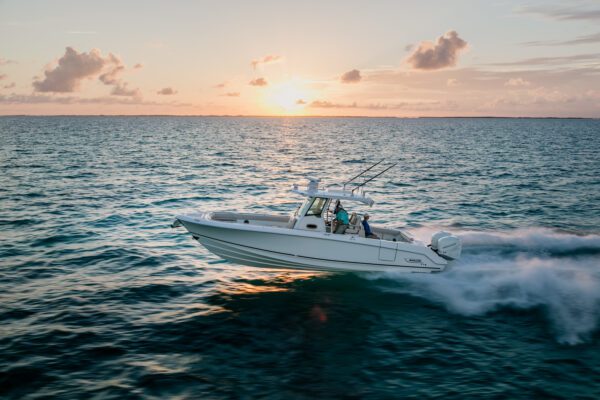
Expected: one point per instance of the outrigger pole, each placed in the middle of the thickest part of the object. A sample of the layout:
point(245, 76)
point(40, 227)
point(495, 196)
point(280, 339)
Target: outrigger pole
point(370, 179)
point(366, 170)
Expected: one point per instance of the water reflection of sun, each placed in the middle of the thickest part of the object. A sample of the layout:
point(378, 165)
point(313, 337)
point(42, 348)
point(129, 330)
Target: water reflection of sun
point(287, 98)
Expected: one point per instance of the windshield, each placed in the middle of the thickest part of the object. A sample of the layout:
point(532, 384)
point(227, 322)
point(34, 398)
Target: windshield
point(316, 207)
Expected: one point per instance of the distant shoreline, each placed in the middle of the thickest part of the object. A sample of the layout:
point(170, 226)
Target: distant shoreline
point(281, 116)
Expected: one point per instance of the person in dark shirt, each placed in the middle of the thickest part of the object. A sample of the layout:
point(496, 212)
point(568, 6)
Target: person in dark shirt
point(368, 233)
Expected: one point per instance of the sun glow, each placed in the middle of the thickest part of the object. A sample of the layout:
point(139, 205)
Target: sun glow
point(287, 98)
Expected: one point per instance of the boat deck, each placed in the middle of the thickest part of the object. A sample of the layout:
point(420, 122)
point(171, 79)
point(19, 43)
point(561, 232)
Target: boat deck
point(282, 221)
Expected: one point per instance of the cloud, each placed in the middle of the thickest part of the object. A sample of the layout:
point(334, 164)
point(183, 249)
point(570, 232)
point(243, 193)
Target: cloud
point(10, 85)
point(351, 76)
point(585, 39)
point(120, 89)
point(563, 13)
point(168, 91)
point(552, 60)
point(107, 100)
point(3, 76)
point(329, 104)
point(72, 68)
point(220, 85)
point(444, 53)
point(270, 59)
point(4, 61)
point(232, 94)
point(541, 97)
point(258, 82)
point(452, 82)
point(404, 105)
point(517, 82)
point(300, 102)
point(111, 77)
point(138, 66)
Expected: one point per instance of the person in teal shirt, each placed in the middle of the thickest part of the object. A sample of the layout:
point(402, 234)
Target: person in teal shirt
point(341, 217)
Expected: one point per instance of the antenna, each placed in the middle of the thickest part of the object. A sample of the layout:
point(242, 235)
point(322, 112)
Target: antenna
point(366, 170)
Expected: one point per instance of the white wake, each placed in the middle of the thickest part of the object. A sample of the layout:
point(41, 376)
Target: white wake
point(523, 269)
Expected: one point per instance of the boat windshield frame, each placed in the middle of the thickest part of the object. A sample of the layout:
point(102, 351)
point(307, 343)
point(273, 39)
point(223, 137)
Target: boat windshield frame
point(321, 202)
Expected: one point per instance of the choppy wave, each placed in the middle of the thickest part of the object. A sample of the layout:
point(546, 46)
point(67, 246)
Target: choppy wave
point(524, 269)
point(100, 299)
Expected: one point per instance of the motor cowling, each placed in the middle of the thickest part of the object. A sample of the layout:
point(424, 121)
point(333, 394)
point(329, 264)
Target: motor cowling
point(446, 245)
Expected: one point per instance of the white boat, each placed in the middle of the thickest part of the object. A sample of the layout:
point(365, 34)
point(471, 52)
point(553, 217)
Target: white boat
point(306, 240)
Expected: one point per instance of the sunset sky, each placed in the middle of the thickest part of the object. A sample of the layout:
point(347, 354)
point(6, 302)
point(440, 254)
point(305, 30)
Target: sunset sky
point(377, 58)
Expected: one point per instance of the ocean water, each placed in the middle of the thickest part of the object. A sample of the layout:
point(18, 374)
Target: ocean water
point(100, 298)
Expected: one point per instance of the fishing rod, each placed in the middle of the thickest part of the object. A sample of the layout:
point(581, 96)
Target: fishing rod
point(362, 173)
point(379, 174)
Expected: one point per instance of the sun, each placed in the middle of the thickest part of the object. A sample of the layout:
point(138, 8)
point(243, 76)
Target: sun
point(287, 98)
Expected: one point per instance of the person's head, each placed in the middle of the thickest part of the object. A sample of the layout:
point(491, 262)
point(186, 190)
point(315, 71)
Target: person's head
point(366, 217)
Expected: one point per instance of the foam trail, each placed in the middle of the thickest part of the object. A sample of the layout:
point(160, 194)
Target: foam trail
point(523, 269)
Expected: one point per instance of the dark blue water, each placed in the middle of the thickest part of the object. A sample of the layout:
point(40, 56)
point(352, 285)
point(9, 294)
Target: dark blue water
point(100, 298)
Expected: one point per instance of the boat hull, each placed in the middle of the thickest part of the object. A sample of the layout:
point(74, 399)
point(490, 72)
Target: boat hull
point(274, 247)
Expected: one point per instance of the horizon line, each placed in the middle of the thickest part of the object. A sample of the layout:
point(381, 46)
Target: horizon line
point(294, 116)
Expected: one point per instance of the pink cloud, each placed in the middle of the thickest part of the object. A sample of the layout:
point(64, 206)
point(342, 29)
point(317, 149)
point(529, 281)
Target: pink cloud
point(258, 82)
point(4, 61)
point(351, 76)
point(517, 82)
point(269, 59)
point(73, 67)
point(121, 89)
point(442, 54)
point(168, 91)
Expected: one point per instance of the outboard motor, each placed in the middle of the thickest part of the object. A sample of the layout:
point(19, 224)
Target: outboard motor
point(446, 245)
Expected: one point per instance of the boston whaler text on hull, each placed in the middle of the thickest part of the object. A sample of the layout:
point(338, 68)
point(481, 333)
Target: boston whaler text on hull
point(310, 239)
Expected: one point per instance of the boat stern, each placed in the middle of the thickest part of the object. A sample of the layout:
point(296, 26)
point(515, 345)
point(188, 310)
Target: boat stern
point(446, 245)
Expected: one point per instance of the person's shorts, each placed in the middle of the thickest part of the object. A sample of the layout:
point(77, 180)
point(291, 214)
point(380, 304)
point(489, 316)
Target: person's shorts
point(341, 228)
